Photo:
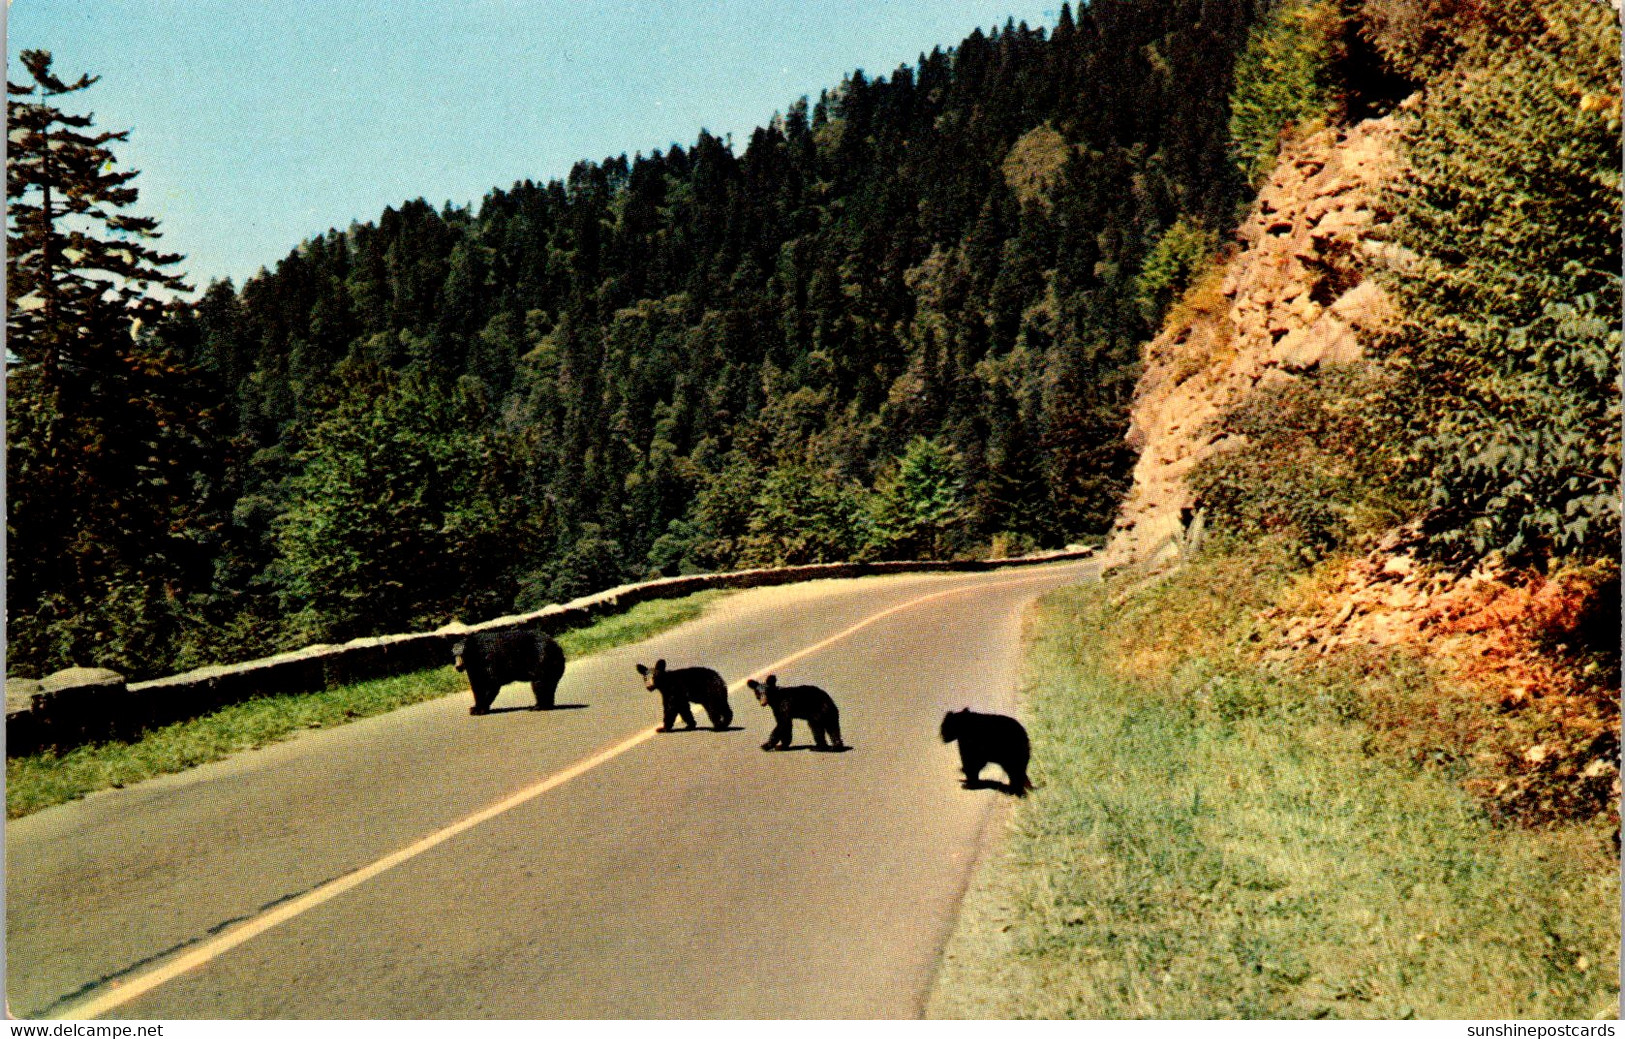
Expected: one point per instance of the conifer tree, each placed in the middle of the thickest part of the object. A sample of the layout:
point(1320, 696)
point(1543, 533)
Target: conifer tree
point(919, 504)
point(109, 456)
point(71, 254)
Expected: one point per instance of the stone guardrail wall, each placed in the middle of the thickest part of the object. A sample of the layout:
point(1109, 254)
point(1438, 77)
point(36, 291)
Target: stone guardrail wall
point(66, 710)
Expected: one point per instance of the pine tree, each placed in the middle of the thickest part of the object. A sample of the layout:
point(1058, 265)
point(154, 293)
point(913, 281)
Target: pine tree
point(63, 229)
point(111, 461)
point(919, 504)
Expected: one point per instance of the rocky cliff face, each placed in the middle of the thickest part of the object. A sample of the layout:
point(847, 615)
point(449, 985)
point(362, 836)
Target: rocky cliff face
point(1531, 707)
point(1294, 297)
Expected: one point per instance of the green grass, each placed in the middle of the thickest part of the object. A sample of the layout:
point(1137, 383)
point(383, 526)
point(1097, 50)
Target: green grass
point(642, 621)
point(1213, 839)
point(41, 780)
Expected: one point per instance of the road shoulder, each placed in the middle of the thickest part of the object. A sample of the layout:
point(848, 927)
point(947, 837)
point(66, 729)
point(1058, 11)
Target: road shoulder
point(1211, 839)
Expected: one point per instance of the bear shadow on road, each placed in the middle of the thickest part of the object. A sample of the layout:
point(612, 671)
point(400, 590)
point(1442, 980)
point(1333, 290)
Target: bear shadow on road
point(704, 728)
point(555, 707)
point(814, 748)
point(992, 784)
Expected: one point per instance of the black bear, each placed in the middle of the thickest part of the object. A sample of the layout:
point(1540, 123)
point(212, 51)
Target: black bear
point(985, 738)
point(491, 659)
point(678, 688)
point(798, 701)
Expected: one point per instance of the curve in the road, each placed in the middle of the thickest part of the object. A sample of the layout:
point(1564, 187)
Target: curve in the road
point(133, 988)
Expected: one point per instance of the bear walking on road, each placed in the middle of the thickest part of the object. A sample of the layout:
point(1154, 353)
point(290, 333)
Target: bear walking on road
point(491, 659)
point(989, 738)
point(685, 685)
point(807, 702)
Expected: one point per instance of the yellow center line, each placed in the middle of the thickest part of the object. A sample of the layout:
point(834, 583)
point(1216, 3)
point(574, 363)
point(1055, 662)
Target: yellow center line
point(119, 994)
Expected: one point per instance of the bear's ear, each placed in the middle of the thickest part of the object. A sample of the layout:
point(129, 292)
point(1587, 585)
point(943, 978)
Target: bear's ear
point(753, 683)
point(642, 670)
point(772, 681)
point(660, 665)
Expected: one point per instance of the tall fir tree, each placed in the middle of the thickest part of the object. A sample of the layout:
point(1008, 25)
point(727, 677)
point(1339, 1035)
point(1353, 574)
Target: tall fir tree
point(71, 253)
point(109, 452)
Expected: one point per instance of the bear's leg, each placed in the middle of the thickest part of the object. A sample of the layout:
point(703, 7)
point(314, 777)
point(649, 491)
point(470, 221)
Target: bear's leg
point(484, 695)
point(833, 724)
point(546, 679)
point(780, 737)
point(972, 765)
point(544, 691)
point(669, 712)
point(1017, 768)
point(724, 714)
point(685, 713)
point(817, 728)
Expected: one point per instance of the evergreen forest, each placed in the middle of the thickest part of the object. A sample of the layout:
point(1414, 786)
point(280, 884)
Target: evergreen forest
point(900, 321)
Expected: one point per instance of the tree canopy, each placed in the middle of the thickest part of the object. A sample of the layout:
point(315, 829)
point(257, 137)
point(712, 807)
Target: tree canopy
point(709, 356)
point(112, 459)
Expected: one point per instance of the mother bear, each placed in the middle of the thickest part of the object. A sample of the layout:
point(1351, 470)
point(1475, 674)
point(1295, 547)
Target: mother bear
point(492, 659)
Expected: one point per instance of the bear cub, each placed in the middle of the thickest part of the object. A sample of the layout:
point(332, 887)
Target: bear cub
point(807, 702)
point(989, 738)
point(685, 685)
point(492, 659)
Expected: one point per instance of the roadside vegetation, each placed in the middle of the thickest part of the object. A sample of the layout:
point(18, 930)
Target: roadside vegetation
point(1358, 757)
point(48, 778)
point(1216, 836)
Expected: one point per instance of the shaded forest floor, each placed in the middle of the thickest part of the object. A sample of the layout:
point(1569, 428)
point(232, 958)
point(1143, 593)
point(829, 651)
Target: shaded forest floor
point(1249, 807)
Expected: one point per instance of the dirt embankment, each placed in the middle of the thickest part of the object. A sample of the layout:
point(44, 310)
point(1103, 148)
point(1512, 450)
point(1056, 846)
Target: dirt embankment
point(1528, 711)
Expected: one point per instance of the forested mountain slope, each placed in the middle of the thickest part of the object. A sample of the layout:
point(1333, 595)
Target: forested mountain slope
point(902, 320)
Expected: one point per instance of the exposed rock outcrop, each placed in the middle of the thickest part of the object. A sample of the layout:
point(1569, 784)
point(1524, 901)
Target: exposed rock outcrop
point(1296, 296)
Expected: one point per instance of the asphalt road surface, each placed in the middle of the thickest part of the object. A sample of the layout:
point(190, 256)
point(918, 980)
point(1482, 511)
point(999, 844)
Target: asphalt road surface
point(558, 864)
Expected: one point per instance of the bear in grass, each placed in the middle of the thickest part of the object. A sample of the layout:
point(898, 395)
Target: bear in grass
point(492, 659)
point(807, 702)
point(682, 686)
point(985, 739)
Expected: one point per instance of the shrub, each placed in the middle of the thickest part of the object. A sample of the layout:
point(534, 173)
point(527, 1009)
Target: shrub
point(1284, 81)
point(1511, 344)
point(1181, 252)
point(1313, 466)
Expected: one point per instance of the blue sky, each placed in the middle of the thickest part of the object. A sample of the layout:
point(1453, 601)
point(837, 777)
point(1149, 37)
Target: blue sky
point(256, 125)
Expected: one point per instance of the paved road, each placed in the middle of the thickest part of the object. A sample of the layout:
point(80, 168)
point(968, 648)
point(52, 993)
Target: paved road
point(689, 875)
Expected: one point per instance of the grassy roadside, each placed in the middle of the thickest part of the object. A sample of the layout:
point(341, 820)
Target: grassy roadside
point(1216, 838)
point(42, 780)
